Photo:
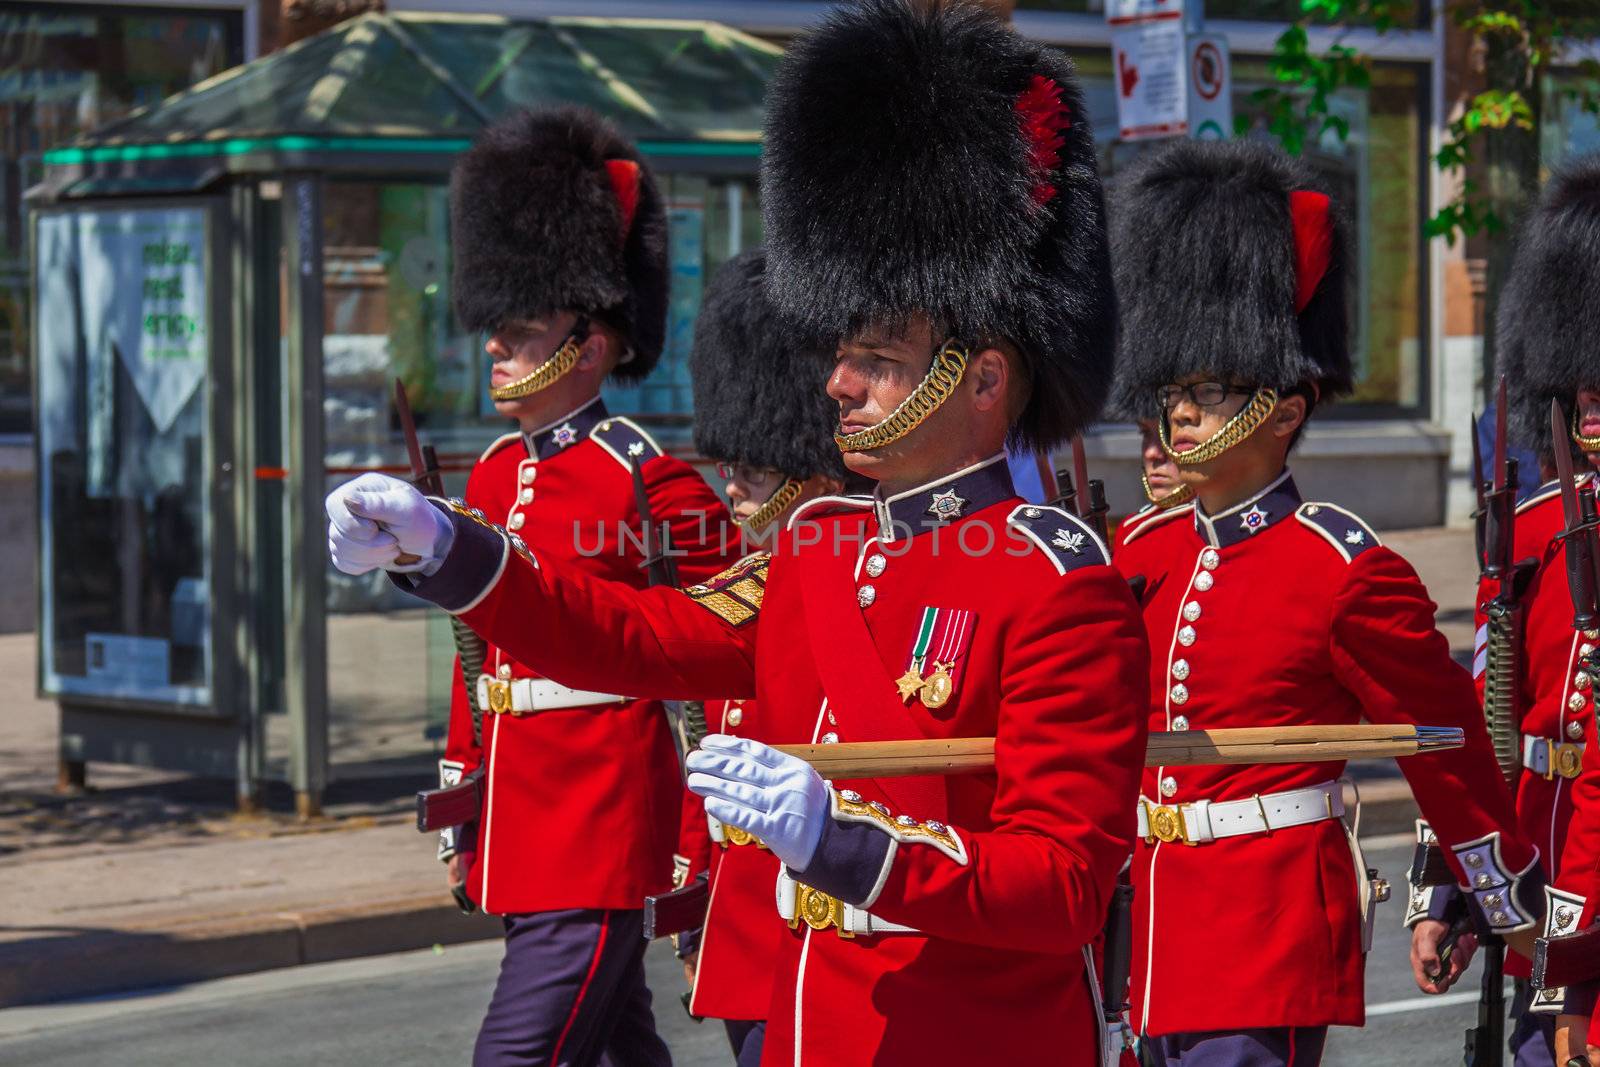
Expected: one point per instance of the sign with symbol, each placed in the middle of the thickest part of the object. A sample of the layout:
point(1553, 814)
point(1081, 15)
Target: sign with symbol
point(1148, 61)
point(1210, 103)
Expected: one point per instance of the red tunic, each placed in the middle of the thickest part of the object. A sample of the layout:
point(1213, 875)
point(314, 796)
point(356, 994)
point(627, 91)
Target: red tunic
point(740, 939)
point(581, 804)
point(1277, 614)
point(1553, 706)
point(1003, 878)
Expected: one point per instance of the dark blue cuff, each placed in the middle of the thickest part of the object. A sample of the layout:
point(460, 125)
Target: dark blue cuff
point(1447, 904)
point(849, 861)
point(1581, 999)
point(475, 560)
point(689, 942)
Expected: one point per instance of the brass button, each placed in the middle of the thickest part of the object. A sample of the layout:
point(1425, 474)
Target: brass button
point(875, 564)
point(866, 595)
point(528, 474)
point(735, 716)
point(1209, 559)
point(526, 496)
point(1180, 669)
point(1191, 611)
point(1204, 581)
point(517, 520)
point(1169, 786)
point(1186, 636)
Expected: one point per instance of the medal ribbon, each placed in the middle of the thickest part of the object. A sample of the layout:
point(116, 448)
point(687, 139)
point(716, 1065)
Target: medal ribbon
point(919, 651)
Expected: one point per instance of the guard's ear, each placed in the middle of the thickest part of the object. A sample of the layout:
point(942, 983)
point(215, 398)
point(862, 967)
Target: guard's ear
point(1288, 415)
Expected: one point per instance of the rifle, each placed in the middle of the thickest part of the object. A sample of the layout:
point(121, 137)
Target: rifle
point(1502, 704)
point(471, 651)
point(1574, 958)
point(1081, 495)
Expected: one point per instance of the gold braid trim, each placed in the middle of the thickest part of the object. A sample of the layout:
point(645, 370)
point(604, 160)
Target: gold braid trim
point(541, 377)
point(1588, 444)
point(1250, 418)
point(781, 498)
point(1181, 495)
point(935, 388)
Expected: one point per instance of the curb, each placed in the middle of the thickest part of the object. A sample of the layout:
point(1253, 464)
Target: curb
point(62, 964)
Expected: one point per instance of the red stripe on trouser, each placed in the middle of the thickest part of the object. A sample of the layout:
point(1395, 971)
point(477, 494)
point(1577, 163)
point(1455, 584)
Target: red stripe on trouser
point(1291, 1048)
point(572, 1016)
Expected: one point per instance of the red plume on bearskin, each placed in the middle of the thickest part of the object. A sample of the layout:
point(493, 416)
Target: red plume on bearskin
point(1044, 118)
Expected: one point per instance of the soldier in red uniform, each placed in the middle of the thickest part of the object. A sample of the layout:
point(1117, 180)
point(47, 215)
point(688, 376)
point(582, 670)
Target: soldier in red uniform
point(1547, 332)
point(560, 244)
point(1538, 326)
point(1266, 610)
point(1163, 487)
point(931, 202)
point(772, 435)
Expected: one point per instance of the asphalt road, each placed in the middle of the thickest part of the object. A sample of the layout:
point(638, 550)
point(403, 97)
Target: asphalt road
point(422, 1008)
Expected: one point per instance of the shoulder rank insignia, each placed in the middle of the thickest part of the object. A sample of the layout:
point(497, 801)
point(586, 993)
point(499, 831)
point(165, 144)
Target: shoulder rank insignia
point(1344, 531)
point(735, 594)
point(1065, 538)
point(624, 440)
point(1147, 519)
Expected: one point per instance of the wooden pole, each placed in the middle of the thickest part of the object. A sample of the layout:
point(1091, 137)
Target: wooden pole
point(1188, 748)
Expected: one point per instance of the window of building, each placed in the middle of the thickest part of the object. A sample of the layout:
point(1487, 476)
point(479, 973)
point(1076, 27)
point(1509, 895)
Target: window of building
point(65, 69)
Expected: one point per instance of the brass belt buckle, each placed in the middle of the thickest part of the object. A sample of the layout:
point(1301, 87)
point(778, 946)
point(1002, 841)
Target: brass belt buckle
point(1565, 760)
point(499, 697)
point(819, 910)
point(1166, 823)
point(733, 835)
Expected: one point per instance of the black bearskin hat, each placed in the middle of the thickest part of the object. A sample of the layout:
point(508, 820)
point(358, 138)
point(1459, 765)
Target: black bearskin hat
point(921, 157)
point(759, 388)
point(540, 221)
point(1547, 327)
point(1230, 260)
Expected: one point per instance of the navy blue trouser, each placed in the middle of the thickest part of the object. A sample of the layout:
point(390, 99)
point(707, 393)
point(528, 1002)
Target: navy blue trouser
point(1277, 1046)
point(1533, 1037)
point(746, 1038)
point(571, 993)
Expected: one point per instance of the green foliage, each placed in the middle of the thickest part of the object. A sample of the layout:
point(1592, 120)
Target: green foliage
point(1529, 38)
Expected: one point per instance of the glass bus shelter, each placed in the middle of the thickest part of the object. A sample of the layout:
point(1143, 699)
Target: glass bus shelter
point(226, 286)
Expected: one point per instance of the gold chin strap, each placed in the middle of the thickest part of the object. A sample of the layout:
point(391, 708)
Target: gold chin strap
point(1181, 495)
point(935, 388)
point(1588, 444)
point(781, 498)
point(1249, 419)
point(543, 376)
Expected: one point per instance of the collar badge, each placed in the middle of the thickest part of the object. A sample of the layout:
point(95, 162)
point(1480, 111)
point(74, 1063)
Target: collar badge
point(946, 505)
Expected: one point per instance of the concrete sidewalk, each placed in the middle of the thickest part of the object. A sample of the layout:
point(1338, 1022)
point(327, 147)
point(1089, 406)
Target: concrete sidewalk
point(150, 879)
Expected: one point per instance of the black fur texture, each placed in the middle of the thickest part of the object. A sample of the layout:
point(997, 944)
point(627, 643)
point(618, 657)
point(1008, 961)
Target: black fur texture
point(759, 387)
point(1203, 247)
point(536, 228)
point(1547, 327)
point(895, 181)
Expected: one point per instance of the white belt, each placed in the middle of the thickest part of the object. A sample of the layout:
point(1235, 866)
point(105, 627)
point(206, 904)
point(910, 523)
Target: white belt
point(519, 696)
point(820, 911)
point(1551, 756)
point(1199, 821)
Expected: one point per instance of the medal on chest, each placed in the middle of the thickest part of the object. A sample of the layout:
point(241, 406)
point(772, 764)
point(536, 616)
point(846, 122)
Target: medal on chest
point(941, 643)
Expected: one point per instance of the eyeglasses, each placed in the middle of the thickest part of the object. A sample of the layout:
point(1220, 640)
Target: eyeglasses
point(1202, 394)
point(755, 477)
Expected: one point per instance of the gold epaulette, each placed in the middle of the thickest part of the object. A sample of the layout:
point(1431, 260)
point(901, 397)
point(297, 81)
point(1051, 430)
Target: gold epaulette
point(735, 594)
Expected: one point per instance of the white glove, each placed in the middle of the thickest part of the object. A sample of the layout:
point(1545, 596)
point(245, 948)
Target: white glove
point(375, 518)
point(774, 796)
